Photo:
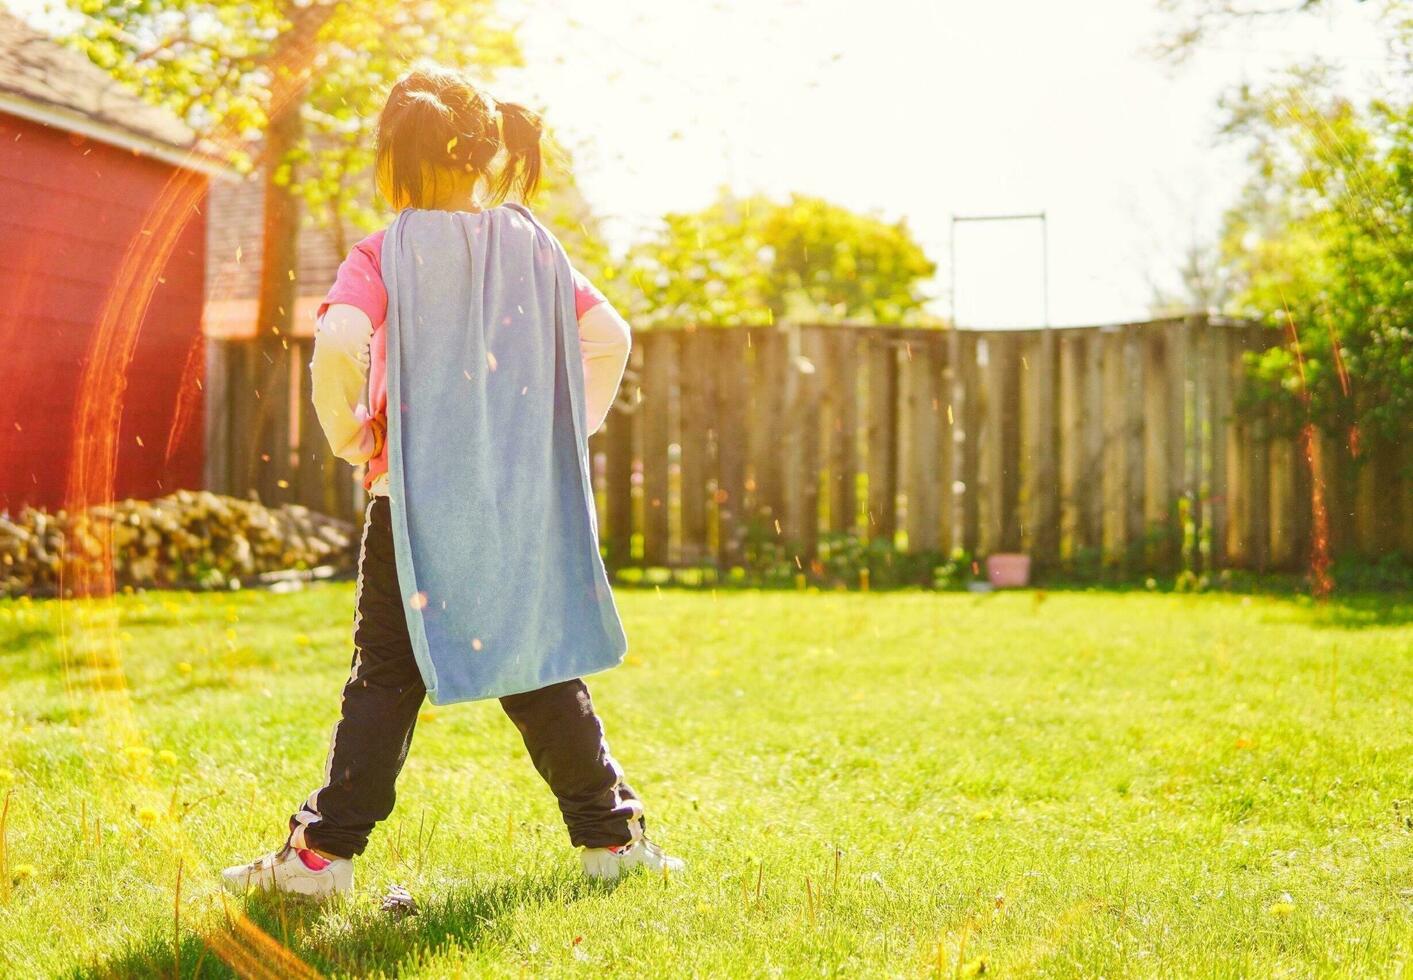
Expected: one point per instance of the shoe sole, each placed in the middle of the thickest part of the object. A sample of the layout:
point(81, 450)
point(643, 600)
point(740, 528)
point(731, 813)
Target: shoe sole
point(296, 886)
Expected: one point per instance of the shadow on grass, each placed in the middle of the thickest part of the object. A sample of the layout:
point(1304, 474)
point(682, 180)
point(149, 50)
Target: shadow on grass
point(356, 941)
point(1355, 612)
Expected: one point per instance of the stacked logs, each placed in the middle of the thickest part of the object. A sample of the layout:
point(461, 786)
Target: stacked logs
point(189, 539)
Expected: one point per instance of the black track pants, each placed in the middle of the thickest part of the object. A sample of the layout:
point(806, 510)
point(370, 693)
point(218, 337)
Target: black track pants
point(379, 710)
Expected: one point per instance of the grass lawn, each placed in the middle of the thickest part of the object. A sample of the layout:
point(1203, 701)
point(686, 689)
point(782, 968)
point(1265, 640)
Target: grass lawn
point(904, 784)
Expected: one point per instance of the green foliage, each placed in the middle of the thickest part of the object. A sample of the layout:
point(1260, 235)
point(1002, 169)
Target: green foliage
point(1320, 246)
point(755, 261)
point(226, 67)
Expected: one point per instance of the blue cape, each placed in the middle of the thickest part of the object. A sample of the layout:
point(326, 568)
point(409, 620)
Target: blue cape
point(493, 516)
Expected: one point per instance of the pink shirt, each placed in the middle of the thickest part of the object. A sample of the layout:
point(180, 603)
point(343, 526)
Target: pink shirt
point(359, 283)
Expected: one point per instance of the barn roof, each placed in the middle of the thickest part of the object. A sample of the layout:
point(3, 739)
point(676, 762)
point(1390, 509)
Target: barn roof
point(46, 82)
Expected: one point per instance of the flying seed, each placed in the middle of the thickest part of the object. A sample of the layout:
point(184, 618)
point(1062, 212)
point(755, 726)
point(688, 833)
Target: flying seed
point(418, 600)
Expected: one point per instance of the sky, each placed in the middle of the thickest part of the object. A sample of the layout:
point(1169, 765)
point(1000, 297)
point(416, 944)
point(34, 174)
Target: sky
point(924, 111)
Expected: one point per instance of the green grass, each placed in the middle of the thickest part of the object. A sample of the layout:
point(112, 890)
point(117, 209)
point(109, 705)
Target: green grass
point(901, 784)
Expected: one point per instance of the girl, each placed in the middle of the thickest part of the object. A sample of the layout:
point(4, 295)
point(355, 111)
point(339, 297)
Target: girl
point(479, 574)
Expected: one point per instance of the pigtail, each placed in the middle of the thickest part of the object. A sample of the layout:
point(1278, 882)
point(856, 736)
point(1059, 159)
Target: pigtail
point(521, 132)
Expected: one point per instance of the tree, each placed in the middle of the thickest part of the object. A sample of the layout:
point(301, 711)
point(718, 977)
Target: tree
point(1320, 247)
point(1204, 283)
point(753, 260)
point(1193, 24)
point(290, 86)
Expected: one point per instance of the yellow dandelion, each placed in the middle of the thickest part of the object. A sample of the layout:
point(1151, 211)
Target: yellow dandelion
point(426, 714)
point(183, 668)
point(301, 639)
point(148, 816)
point(23, 872)
point(167, 757)
point(232, 616)
point(230, 636)
point(135, 752)
point(6, 777)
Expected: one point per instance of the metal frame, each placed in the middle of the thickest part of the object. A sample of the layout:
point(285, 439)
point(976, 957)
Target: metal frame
point(1044, 256)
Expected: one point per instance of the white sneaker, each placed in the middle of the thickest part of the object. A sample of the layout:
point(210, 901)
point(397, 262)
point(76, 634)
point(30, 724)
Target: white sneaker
point(607, 863)
point(291, 870)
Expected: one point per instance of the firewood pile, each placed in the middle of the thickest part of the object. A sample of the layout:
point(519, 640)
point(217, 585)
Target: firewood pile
point(189, 539)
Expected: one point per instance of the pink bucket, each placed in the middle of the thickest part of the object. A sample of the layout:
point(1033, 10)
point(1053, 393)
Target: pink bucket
point(1008, 571)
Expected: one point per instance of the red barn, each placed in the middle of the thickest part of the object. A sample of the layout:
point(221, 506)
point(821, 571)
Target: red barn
point(84, 164)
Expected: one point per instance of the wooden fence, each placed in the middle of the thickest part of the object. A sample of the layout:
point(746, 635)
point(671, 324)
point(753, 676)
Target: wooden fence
point(1100, 445)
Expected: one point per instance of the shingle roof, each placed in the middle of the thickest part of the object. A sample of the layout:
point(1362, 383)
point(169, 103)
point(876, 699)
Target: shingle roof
point(235, 244)
point(39, 71)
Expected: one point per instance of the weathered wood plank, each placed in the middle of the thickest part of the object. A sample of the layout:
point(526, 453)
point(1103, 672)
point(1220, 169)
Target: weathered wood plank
point(809, 427)
point(1004, 423)
point(840, 393)
point(769, 369)
point(658, 349)
point(1219, 410)
point(882, 424)
point(1197, 440)
point(1258, 483)
point(1071, 462)
point(1135, 459)
point(1041, 375)
point(966, 412)
point(1092, 485)
point(1177, 438)
point(942, 376)
point(732, 377)
point(922, 367)
point(1115, 397)
point(695, 437)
